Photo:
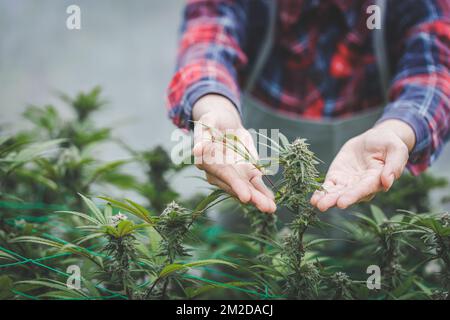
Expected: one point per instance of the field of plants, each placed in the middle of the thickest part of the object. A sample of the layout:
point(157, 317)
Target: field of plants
point(63, 236)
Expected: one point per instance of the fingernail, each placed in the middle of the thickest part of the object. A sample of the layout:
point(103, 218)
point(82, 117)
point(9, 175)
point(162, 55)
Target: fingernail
point(391, 180)
point(274, 207)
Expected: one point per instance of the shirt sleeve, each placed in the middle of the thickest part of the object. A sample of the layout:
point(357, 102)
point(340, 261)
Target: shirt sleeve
point(209, 56)
point(420, 90)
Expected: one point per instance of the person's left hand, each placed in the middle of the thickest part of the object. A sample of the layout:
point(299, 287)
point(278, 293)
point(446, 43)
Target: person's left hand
point(365, 165)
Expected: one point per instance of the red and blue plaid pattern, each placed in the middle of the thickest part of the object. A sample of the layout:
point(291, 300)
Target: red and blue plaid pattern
point(322, 64)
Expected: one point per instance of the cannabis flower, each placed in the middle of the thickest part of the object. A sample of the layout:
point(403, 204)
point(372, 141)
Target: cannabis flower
point(300, 174)
point(174, 222)
point(117, 218)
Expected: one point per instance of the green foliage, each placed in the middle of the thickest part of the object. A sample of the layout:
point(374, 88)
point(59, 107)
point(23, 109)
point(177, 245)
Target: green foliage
point(300, 179)
point(409, 193)
point(300, 175)
point(263, 226)
point(155, 187)
point(43, 173)
point(72, 166)
point(124, 261)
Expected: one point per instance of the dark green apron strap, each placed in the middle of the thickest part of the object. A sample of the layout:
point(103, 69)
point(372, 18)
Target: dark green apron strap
point(266, 46)
point(380, 49)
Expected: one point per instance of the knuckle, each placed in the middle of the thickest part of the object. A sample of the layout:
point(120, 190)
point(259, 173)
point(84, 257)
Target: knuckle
point(255, 174)
point(350, 143)
point(394, 144)
point(206, 119)
point(210, 179)
point(404, 149)
point(246, 135)
point(199, 164)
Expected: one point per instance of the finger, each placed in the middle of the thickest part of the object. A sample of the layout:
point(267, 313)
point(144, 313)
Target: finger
point(332, 193)
point(258, 199)
point(368, 198)
point(202, 131)
point(356, 192)
point(207, 154)
point(247, 140)
point(197, 152)
point(328, 201)
point(229, 176)
point(241, 150)
point(327, 187)
point(202, 136)
point(220, 184)
point(259, 185)
point(387, 181)
point(317, 195)
point(396, 159)
point(262, 202)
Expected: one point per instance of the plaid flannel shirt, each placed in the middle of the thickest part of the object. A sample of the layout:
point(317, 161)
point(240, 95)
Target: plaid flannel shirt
point(322, 64)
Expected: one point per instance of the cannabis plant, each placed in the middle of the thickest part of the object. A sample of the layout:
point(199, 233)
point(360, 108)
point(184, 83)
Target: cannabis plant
point(300, 179)
point(72, 168)
point(435, 234)
point(135, 260)
point(263, 226)
point(127, 250)
point(155, 186)
point(382, 239)
point(410, 193)
point(16, 152)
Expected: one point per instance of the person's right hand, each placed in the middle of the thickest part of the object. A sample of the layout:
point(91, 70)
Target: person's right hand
point(237, 177)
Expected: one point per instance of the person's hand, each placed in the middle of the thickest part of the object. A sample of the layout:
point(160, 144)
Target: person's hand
point(224, 168)
point(365, 165)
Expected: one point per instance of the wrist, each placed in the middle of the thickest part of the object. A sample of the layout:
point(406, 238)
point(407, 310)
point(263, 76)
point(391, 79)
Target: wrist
point(217, 106)
point(401, 129)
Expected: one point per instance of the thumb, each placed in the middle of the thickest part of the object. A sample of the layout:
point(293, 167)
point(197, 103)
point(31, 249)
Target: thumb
point(202, 133)
point(247, 140)
point(394, 164)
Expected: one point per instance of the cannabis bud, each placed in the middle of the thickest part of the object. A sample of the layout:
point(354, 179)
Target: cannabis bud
point(174, 219)
point(175, 222)
point(445, 219)
point(300, 178)
point(172, 207)
point(341, 278)
point(20, 223)
point(300, 174)
point(341, 283)
point(439, 295)
point(117, 218)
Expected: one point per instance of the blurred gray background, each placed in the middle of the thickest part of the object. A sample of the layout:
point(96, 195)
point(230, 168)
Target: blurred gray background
point(127, 47)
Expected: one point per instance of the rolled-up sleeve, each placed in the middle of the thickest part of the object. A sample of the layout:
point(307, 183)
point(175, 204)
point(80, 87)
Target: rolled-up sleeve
point(209, 56)
point(420, 90)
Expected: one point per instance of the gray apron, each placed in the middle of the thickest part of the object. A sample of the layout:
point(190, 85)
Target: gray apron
point(325, 137)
